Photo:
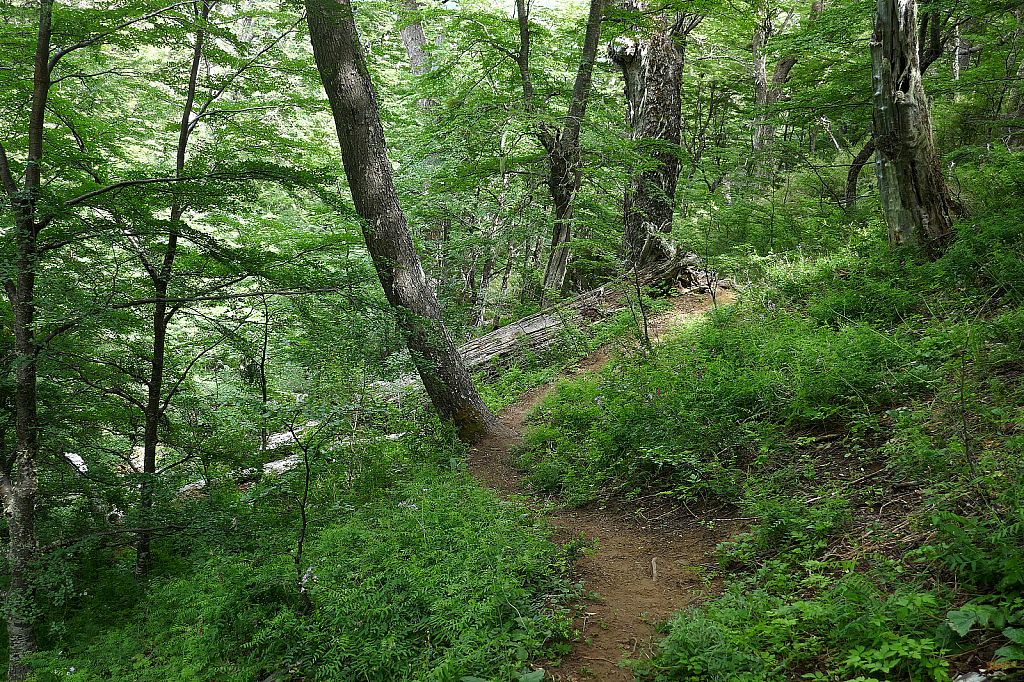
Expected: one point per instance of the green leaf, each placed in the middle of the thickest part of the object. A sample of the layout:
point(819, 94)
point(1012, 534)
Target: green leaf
point(962, 621)
point(1015, 635)
point(1013, 652)
point(535, 676)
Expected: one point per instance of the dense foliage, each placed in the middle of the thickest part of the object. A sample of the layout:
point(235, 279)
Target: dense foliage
point(226, 474)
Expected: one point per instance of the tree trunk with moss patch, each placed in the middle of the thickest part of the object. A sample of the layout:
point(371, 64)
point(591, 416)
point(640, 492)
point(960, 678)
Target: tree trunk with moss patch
point(346, 80)
point(915, 201)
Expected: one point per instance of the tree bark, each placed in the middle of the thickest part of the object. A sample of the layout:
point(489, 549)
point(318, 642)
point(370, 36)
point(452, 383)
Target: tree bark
point(652, 69)
point(19, 480)
point(160, 275)
point(915, 201)
point(859, 162)
point(346, 80)
point(414, 40)
point(767, 93)
point(562, 146)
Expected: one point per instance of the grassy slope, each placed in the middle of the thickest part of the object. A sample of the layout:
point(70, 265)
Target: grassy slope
point(865, 409)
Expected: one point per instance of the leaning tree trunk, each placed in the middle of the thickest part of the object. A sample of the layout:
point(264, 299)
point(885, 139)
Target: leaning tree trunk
point(562, 146)
point(343, 71)
point(859, 162)
point(915, 201)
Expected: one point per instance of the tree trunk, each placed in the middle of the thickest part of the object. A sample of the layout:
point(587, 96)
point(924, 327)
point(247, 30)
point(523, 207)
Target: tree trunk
point(415, 41)
point(652, 70)
point(917, 206)
point(858, 163)
point(767, 93)
point(346, 80)
point(19, 480)
point(160, 275)
point(562, 146)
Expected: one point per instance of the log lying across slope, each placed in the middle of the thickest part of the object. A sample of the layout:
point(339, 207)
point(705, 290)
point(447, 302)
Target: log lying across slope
point(540, 331)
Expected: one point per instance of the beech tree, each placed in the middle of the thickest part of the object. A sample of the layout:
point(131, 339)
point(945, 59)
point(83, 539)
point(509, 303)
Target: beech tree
point(346, 80)
point(917, 205)
point(561, 144)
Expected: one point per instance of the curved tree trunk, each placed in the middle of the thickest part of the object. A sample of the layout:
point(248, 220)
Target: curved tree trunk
point(346, 80)
point(858, 164)
point(915, 201)
point(562, 146)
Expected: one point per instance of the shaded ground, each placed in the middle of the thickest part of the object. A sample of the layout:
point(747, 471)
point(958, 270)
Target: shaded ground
point(651, 559)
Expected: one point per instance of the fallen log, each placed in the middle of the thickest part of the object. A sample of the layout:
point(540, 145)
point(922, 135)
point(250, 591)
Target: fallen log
point(539, 332)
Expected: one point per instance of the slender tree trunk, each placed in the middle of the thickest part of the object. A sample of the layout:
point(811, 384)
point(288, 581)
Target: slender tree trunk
point(562, 146)
point(859, 162)
point(346, 80)
point(161, 274)
point(915, 201)
point(767, 92)
point(19, 481)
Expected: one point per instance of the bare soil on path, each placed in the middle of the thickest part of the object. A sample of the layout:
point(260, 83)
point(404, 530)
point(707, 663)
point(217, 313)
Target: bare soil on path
point(652, 557)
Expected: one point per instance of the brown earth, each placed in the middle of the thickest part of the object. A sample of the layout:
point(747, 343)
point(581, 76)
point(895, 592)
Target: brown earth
point(652, 558)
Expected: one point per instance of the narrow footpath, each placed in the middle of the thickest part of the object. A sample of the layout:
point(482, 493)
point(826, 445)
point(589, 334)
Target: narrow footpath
point(652, 559)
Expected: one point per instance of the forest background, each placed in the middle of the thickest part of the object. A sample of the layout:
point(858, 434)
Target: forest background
point(187, 288)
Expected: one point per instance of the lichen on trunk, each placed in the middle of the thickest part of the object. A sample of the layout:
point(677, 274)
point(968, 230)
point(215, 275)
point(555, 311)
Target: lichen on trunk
point(916, 204)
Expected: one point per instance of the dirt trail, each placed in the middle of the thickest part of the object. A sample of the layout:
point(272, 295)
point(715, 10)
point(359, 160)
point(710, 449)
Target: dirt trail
point(652, 559)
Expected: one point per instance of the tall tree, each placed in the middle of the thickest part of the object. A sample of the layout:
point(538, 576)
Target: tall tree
point(652, 68)
point(561, 144)
point(346, 80)
point(917, 205)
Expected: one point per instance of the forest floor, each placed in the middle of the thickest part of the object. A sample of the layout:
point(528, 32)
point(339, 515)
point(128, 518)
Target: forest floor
point(652, 557)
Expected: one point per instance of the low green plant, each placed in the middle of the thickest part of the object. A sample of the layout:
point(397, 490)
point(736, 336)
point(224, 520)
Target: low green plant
point(432, 579)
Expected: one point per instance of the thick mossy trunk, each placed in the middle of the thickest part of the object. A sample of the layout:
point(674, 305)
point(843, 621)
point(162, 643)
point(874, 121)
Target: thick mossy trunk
point(652, 69)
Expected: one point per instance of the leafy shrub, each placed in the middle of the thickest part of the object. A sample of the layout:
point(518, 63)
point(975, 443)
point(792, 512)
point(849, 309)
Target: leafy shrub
point(687, 414)
point(760, 631)
point(785, 525)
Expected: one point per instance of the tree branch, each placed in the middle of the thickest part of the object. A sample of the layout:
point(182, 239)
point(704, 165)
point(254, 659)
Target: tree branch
point(92, 41)
point(6, 178)
point(54, 546)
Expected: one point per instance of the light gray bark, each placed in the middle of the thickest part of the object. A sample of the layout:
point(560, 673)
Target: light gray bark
point(917, 206)
point(652, 68)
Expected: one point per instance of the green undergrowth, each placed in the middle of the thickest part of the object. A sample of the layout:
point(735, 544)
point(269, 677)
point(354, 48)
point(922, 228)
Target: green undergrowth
point(808, 406)
point(691, 415)
point(524, 371)
point(411, 570)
